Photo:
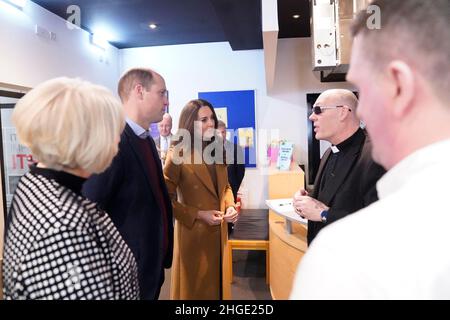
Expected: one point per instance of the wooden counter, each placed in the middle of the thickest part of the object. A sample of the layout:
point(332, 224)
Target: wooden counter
point(283, 184)
point(286, 250)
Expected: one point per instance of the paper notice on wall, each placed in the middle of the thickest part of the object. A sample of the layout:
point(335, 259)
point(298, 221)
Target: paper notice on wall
point(245, 137)
point(221, 114)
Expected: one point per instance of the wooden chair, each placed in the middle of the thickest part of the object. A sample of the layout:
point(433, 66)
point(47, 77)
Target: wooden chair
point(251, 232)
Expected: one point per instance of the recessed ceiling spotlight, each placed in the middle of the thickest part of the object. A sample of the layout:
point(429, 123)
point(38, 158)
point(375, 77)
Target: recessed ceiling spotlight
point(296, 16)
point(152, 26)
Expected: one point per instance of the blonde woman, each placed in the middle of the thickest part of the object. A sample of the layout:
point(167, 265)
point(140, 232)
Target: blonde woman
point(58, 244)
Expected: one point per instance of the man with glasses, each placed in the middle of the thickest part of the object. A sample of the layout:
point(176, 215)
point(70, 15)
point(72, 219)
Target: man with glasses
point(397, 248)
point(347, 175)
point(132, 190)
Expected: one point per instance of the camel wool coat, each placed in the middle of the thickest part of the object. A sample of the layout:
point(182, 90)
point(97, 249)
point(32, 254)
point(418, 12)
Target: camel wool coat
point(199, 249)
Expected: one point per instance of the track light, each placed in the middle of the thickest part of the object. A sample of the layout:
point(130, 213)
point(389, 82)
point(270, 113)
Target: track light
point(19, 4)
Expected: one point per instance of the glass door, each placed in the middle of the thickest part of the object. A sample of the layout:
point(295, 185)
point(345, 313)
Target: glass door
point(15, 158)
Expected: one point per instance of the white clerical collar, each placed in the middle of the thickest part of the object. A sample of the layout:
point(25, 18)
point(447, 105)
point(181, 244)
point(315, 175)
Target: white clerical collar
point(334, 149)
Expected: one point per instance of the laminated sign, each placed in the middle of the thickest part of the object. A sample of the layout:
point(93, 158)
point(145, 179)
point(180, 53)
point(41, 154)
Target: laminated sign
point(285, 155)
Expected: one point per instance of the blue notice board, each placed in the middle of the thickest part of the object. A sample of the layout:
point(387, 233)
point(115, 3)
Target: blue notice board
point(239, 110)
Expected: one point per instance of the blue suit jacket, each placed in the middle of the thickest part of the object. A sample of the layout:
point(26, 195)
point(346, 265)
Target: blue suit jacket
point(126, 193)
point(236, 166)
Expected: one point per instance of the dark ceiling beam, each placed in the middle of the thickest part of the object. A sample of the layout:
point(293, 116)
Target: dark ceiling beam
point(290, 27)
point(241, 22)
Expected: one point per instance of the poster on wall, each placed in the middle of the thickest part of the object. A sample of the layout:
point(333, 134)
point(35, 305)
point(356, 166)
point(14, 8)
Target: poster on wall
point(245, 137)
point(16, 158)
point(222, 114)
point(285, 155)
point(238, 110)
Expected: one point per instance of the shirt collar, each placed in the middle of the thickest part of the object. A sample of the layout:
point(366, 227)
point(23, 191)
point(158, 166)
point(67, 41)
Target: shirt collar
point(413, 165)
point(359, 134)
point(137, 129)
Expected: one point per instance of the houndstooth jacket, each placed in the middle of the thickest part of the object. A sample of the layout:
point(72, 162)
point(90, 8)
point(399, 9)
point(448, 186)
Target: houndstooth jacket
point(59, 245)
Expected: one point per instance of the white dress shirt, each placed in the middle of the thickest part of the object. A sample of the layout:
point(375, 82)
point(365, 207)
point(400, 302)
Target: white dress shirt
point(397, 248)
point(164, 143)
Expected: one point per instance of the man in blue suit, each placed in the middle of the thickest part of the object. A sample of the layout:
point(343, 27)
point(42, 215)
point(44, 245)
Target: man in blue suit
point(234, 159)
point(132, 190)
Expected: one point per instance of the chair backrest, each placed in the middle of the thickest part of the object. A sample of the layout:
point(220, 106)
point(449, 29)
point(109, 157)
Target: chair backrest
point(253, 224)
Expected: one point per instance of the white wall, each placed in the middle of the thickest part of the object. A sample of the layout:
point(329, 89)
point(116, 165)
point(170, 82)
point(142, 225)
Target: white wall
point(189, 69)
point(26, 59)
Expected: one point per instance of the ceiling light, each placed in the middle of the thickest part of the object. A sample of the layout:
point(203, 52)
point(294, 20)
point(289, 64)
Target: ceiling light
point(296, 16)
point(152, 26)
point(16, 3)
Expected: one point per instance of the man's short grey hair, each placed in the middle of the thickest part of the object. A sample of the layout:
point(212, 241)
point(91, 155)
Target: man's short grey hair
point(167, 116)
point(415, 31)
point(70, 124)
point(221, 124)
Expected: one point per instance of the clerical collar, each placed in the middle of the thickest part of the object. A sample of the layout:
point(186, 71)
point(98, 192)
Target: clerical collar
point(334, 149)
point(348, 142)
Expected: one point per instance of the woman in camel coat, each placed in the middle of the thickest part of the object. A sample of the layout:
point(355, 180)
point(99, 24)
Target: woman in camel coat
point(203, 204)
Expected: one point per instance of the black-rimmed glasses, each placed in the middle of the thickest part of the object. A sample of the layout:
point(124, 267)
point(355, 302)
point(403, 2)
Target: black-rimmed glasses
point(320, 109)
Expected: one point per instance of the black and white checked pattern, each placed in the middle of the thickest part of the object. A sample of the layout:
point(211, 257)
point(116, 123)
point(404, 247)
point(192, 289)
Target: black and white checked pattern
point(59, 245)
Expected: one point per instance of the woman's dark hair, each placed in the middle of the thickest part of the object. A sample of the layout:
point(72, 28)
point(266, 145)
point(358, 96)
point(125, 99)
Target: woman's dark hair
point(188, 116)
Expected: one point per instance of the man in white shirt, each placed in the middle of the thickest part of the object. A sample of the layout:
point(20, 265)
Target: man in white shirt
point(397, 248)
point(165, 135)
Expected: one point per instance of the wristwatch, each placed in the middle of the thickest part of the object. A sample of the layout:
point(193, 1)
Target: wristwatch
point(324, 216)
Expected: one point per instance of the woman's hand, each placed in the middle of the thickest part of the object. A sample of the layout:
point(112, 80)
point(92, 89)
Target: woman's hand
point(211, 217)
point(231, 215)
